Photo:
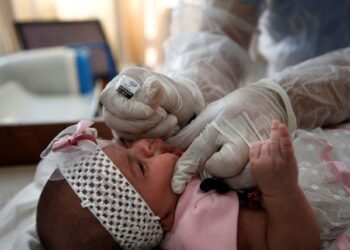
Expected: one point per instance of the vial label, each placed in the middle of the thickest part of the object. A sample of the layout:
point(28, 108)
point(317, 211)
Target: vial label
point(127, 86)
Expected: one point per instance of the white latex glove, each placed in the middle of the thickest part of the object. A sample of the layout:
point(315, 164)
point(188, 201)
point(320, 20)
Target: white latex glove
point(159, 108)
point(228, 127)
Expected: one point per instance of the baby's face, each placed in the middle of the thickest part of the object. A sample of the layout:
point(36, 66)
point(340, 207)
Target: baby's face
point(148, 164)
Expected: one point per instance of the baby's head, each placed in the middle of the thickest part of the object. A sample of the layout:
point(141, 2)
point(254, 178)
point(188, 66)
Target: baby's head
point(108, 197)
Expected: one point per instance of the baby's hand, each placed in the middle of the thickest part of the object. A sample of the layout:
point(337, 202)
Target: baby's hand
point(273, 162)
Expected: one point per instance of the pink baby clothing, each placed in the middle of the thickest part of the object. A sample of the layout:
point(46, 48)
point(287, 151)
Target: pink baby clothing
point(205, 221)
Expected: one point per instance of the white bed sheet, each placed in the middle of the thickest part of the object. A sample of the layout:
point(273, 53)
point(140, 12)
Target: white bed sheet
point(17, 218)
point(13, 179)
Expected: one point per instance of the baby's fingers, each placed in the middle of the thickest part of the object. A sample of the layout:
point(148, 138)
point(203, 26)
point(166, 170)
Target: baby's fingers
point(265, 149)
point(275, 139)
point(286, 145)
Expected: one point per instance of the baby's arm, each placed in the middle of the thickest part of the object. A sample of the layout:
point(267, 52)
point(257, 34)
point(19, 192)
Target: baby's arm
point(291, 223)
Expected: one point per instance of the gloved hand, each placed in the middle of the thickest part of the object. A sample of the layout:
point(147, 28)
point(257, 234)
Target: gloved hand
point(228, 127)
point(159, 107)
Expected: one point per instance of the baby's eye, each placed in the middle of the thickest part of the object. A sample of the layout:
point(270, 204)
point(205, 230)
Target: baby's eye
point(141, 167)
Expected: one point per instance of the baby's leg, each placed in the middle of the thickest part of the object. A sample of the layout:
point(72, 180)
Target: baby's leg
point(273, 162)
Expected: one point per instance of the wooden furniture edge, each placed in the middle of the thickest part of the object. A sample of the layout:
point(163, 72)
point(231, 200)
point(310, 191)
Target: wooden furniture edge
point(21, 144)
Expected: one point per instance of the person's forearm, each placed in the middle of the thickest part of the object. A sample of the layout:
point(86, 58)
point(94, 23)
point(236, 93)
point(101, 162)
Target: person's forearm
point(291, 223)
point(319, 89)
point(208, 45)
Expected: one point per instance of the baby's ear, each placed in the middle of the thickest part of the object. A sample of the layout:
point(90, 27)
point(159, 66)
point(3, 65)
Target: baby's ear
point(167, 221)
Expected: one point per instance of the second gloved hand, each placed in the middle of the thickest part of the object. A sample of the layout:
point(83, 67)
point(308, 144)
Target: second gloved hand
point(158, 109)
point(227, 128)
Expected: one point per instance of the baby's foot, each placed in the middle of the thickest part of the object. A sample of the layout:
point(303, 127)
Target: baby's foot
point(273, 162)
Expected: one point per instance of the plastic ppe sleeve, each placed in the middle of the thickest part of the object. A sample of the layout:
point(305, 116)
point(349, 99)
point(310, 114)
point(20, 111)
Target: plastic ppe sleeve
point(200, 49)
point(319, 89)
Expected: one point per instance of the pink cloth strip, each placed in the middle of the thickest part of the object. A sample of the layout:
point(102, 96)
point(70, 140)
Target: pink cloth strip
point(72, 140)
point(342, 242)
point(338, 168)
point(326, 153)
point(341, 172)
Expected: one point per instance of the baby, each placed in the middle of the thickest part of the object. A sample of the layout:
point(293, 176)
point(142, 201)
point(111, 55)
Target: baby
point(104, 195)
